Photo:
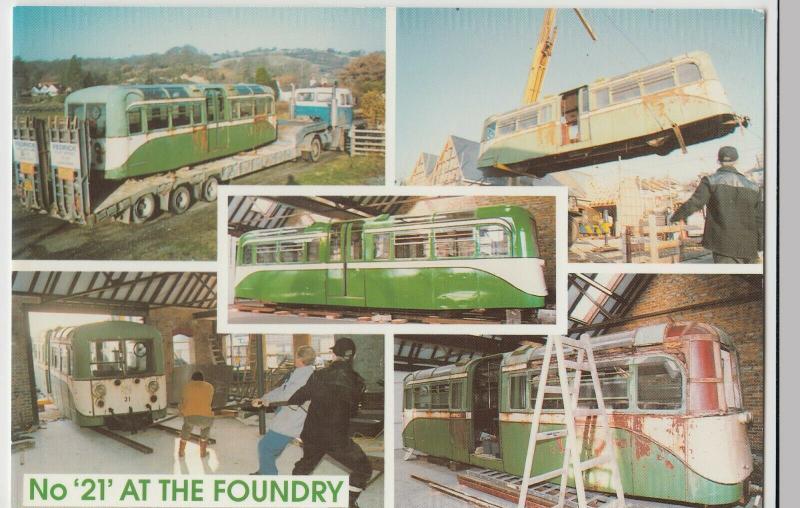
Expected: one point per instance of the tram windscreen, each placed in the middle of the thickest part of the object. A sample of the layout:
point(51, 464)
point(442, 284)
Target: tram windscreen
point(119, 358)
point(138, 357)
point(105, 358)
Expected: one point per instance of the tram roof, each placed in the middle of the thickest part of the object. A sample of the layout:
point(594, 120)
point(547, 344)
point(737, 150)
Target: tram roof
point(638, 337)
point(105, 330)
point(104, 93)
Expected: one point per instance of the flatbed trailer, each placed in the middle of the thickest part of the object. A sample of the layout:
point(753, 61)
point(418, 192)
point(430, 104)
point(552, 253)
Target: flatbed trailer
point(51, 171)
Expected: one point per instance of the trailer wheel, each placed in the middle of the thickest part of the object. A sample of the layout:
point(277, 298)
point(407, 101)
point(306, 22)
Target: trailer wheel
point(210, 189)
point(180, 200)
point(314, 151)
point(144, 208)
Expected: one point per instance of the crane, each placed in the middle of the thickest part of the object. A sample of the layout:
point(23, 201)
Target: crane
point(544, 48)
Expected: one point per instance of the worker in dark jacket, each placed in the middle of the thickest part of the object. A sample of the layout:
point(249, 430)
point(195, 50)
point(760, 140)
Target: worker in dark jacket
point(335, 393)
point(734, 212)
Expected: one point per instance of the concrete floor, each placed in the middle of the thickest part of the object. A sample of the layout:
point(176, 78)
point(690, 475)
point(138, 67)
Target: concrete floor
point(411, 493)
point(63, 447)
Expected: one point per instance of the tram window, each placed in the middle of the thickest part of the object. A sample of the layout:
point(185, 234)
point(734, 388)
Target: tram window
point(529, 120)
point(235, 110)
point(313, 250)
point(412, 245)
point(440, 396)
point(305, 97)
point(551, 400)
point(516, 392)
point(138, 356)
point(489, 133)
point(658, 81)
point(601, 98)
point(457, 395)
point(730, 379)
point(507, 127)
point(105, 358)
point(335, 242)
point(134, 121)
point(197, 113)
point(407, 399)
point(584, 102)
point(494, 241)
point(688, 73)
point(261, 106)
point(380, 244)
point(246, 109)
point(613, 383)
point(356, 241)
point(180, 115)
point(291, 252)
point(625, 91)
point(97, 120)
point(454, 243)
point(422, 397)
point(157, 118)
point(247, 255)
point(270, 106)
point(324, 97)
point(267, 253)
point(659, 384)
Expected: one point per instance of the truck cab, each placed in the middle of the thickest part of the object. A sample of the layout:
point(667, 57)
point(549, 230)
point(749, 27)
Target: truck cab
point(331, 105)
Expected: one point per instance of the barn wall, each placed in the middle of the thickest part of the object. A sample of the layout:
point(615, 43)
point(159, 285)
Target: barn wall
point(171, 321)
point(744, 322)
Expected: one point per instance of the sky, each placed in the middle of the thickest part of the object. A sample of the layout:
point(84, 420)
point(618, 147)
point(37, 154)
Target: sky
point(456, 67)
point(49, 33)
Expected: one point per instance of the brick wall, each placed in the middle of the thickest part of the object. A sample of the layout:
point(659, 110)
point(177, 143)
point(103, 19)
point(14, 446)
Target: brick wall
point(23, 384)
point(173, 320)
point(744, 322)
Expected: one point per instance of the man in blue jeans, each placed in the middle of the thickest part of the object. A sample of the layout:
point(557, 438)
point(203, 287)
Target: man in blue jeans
point(289, 420)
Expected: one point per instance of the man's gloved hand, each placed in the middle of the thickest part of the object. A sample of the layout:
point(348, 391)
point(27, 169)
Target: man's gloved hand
point(257, 403)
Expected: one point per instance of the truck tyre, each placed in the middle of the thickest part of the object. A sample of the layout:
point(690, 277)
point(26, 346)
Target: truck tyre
point(210, 188)
point(180, 200)
point(144, 208)
point(316, 150)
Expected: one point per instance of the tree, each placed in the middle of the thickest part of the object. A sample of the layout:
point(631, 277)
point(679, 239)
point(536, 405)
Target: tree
point(373, 107)
point(73, 75)
point(365, 74)
point(21, 77)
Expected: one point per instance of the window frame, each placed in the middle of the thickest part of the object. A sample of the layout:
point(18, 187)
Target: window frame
point(636, 363)
point(427, 251)
point(135, 109)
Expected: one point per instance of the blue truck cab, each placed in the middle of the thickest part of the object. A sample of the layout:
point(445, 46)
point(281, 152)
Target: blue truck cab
point(317, 103)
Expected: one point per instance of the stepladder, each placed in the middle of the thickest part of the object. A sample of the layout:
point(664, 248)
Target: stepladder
point(574, 361)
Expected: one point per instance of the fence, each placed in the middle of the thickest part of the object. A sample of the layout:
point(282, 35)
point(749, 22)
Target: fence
point(661, 244)
point(367, 141)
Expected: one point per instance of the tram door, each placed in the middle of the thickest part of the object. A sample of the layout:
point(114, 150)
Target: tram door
point(571, 112)
point(486, 408)
point(346, 282)
point(215, 113)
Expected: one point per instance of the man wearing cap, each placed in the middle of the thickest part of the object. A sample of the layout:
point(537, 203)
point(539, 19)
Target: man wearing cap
point(289, 420)
point(734, 212)
point(335, 393)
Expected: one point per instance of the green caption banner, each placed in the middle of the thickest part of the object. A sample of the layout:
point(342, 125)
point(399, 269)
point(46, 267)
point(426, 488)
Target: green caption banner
point(157, 491)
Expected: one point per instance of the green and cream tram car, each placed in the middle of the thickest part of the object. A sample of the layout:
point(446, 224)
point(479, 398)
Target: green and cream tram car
point(648, 111)
point(137, 130)
point(673, 396)
point(487, 258)
point(104, 374)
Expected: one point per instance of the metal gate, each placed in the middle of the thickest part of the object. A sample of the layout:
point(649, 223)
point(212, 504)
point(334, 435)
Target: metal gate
point(69, 168)
point(31, 162)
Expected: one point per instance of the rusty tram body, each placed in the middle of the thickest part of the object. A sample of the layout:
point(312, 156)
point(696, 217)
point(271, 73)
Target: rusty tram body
point(674, 401)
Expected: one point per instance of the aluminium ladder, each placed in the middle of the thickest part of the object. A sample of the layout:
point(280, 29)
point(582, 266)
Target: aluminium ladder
point(583, 362)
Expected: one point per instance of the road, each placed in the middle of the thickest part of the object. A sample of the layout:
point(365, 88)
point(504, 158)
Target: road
point(187, 237)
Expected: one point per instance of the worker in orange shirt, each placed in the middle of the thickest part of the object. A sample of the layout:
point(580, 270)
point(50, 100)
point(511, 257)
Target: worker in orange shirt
point(196, 410)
